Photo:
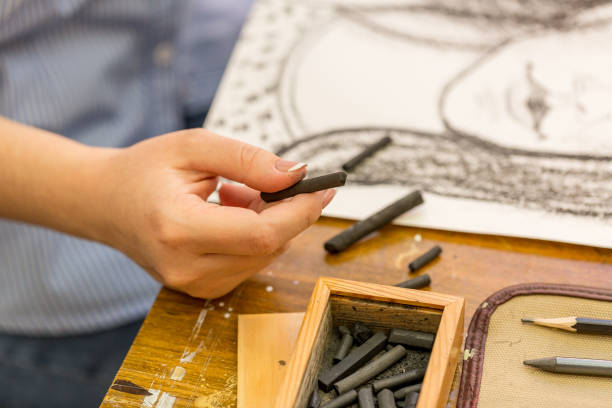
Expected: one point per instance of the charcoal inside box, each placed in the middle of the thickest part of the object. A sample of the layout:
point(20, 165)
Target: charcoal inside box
point(387, 353)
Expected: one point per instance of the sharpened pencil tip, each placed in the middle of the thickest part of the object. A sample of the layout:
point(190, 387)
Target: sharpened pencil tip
point(527, 320)
point(530, 363)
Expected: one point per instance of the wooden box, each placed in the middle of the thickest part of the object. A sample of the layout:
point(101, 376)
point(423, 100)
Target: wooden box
point(340, 302)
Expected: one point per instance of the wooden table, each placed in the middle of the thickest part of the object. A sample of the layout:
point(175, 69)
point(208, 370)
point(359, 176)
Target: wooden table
point(200, 336)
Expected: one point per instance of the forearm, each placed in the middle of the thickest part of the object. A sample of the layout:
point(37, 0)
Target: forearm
point(52, 181)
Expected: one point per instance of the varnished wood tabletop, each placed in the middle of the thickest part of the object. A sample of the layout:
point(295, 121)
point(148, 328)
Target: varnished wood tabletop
point(200, 336)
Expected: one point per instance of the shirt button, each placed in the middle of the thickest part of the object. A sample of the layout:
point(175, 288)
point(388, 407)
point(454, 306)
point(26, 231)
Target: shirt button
point(163, 54)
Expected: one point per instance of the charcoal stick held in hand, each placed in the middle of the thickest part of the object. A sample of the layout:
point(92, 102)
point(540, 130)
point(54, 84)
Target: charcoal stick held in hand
point(369, 151)
point(366, 398)
point(370, 370)
point(424, 259)
point(342, 401)
point(355, 360)
point(374, 222)
point(412, 338)
point(307, 186)
point(409, 377)
point(386, 399)
point(419, 282)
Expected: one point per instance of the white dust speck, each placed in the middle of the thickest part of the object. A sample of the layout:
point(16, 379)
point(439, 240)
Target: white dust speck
point(149, 400)
point(165, 400)
point(227, 315)
point(269, 273)
point(296, 282)
point(418, 238)
point(269, 288)
point(230, 309)
point(221, 304)
point(178, 373)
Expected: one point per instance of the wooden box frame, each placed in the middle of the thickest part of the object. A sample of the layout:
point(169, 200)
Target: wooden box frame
point(380, 307)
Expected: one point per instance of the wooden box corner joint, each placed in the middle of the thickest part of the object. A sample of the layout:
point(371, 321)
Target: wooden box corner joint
point(337, 301)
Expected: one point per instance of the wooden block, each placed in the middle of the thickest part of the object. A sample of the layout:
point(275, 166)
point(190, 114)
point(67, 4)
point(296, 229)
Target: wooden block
point(265, 343)
point(336, 301)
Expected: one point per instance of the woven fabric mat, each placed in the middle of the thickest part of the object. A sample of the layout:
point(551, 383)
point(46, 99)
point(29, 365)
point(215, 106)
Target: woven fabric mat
point(493, 374)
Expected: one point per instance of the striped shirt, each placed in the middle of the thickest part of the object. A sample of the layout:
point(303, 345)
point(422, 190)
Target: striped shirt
point(105, 73)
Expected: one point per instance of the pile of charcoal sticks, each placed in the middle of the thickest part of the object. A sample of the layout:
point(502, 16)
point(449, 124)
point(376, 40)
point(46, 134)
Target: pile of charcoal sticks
point(372, 369)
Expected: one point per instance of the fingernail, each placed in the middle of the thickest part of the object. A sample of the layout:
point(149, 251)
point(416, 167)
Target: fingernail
point(327, 197)
point(288, 165)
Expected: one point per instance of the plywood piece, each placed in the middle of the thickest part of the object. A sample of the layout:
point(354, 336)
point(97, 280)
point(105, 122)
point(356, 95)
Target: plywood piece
point(265, 344)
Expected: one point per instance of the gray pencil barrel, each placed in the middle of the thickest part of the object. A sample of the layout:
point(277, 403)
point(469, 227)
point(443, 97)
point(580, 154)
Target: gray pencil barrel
point(341, 401)
point(374, 222)
point(369, 151)
point(412, 338)
point(370, 370)
point(386, 399)
point(307, 186)
point(401, 393)
point(419, 282)
point(366, 398)
point(345, 346)
point(409, 377)
point(424, 259)
point(411, 399)
point(353, 361)
point(584, 366)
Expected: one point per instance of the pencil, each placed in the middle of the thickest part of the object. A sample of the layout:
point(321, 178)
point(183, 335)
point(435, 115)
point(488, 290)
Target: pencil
point(567, 365)
point(574, 324)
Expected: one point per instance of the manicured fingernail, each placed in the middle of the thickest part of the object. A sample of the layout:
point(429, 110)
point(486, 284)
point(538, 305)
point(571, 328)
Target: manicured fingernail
point(327, 197)
point(288, 165)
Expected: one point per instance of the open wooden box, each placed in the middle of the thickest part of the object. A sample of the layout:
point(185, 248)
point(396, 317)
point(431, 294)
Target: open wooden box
point(336, 301)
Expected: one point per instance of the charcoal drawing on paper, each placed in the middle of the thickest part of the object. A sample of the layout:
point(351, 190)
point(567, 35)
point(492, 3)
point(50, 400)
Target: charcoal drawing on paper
point(499, 102)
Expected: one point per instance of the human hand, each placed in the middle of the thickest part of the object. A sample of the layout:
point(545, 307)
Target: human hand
point(156, 212)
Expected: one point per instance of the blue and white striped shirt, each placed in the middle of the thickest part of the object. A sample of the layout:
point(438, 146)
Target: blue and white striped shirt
point(105, 73)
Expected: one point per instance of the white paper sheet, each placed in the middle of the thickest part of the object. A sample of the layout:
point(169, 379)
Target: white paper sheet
point(501, 113)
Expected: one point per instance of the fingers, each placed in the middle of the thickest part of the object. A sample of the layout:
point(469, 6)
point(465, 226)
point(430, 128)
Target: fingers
point(214, 275)
point(235, 195)
point(239, 231)
point(238, 161)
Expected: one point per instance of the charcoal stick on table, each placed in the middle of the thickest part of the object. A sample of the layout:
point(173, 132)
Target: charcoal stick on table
point(412, 338)
point(370, 370)
point(307, 186)
point(353, 361)
point(419, 282)
point(374, 222)
point(401, 393)
point(366, 398)
point(386, 399)
point(342, 400)
point(411, 399)
point(409, 377)
point(424, 259)
point(369, 151)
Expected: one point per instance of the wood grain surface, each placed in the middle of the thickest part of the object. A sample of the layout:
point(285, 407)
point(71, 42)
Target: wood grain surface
point(201, 336)
point(265, 344)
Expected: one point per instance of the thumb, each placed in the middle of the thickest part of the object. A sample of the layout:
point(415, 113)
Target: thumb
point(241, 162)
